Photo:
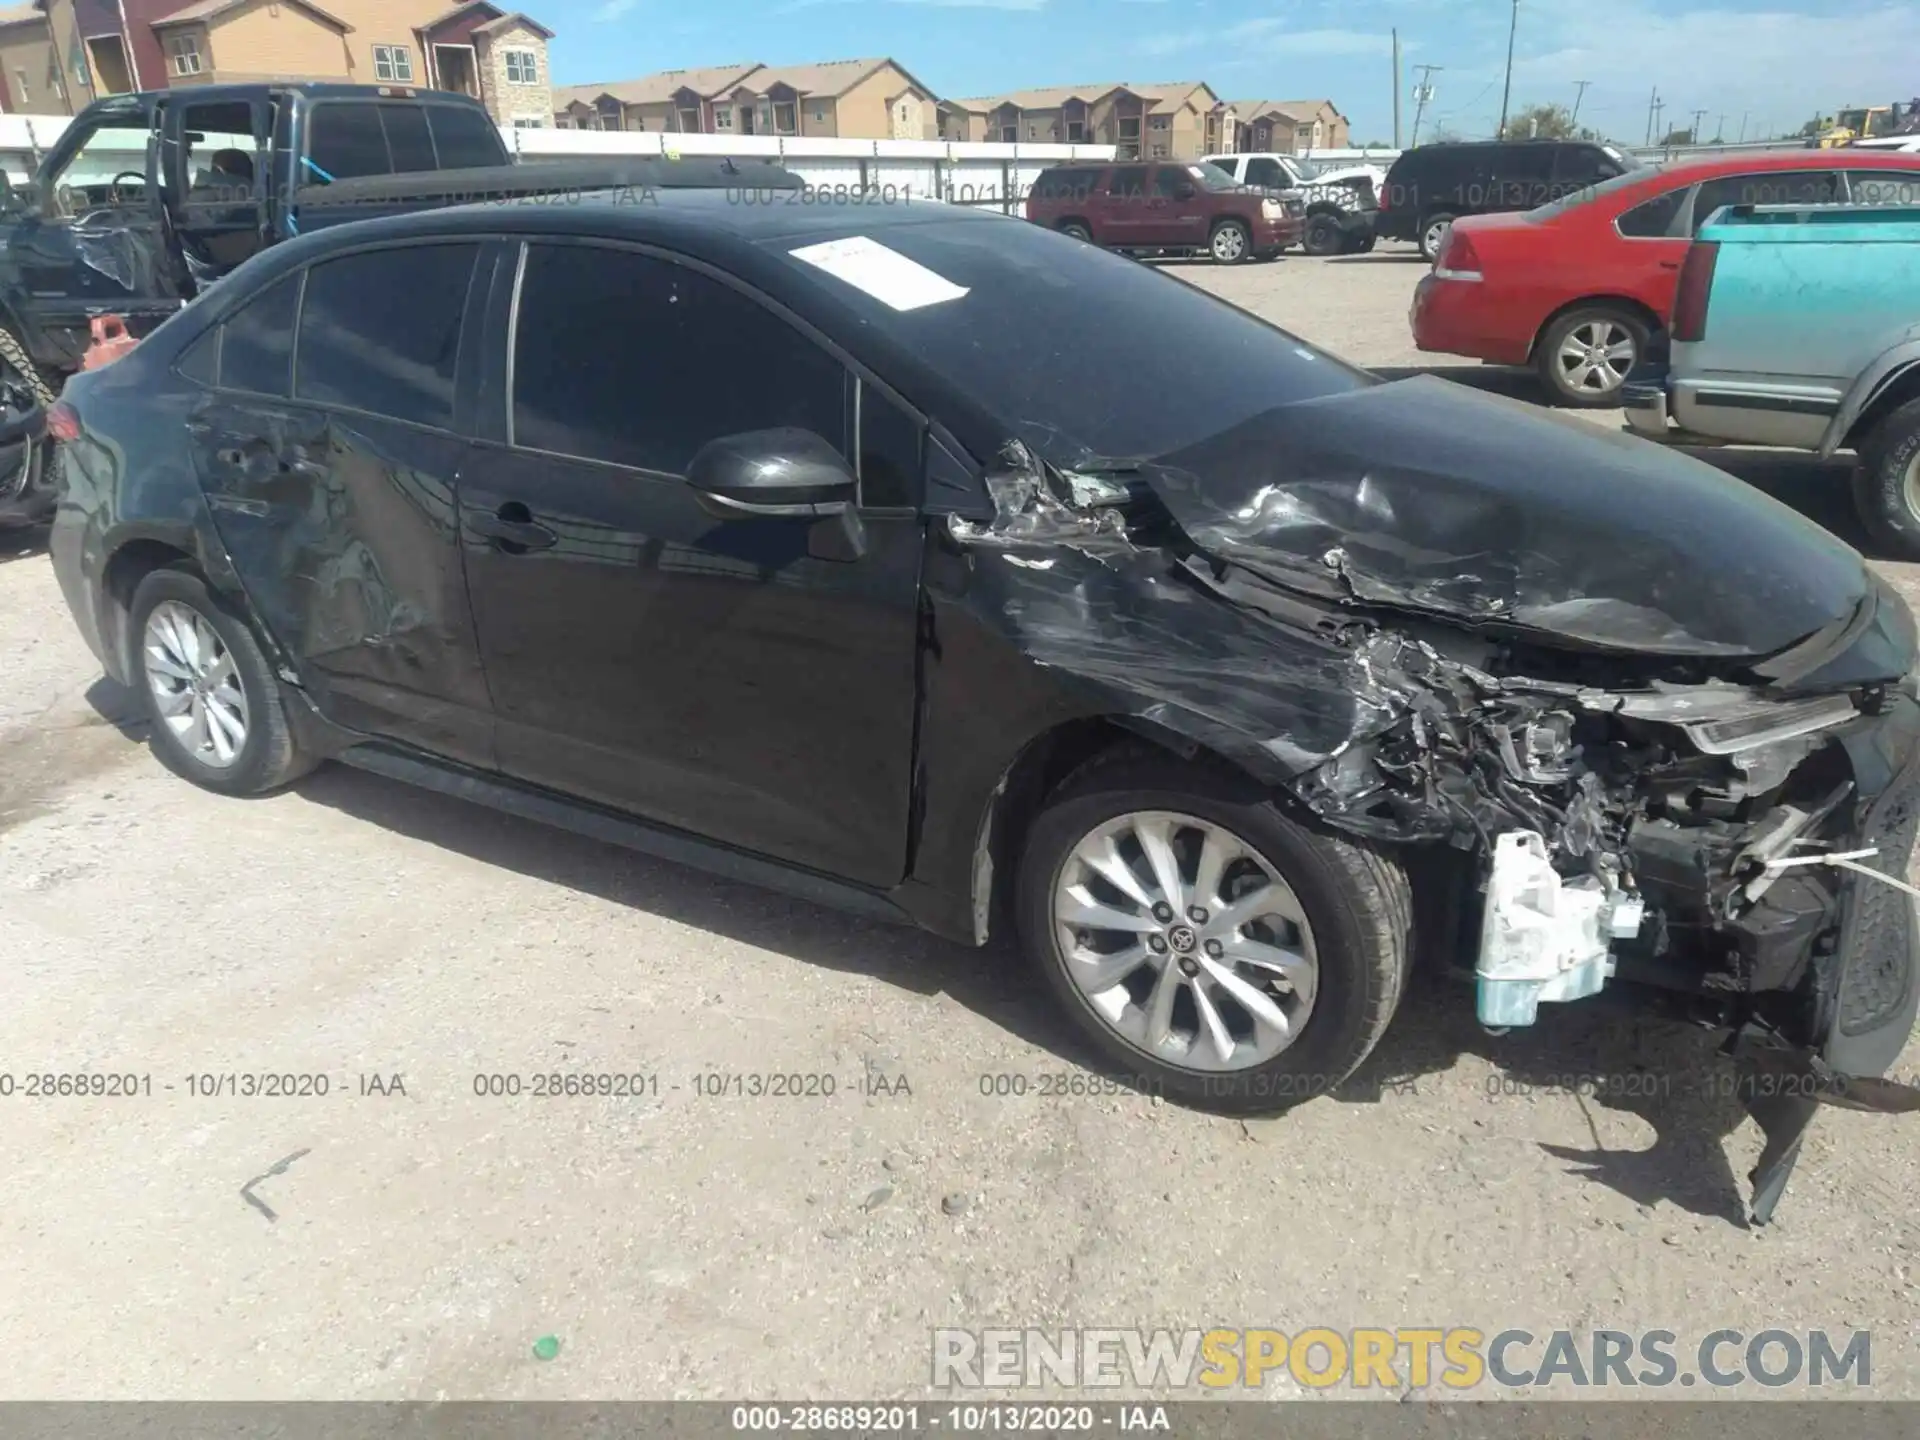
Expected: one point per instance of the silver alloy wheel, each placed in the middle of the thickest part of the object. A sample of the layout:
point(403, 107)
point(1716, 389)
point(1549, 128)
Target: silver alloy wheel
point(196, 687)
point(1436, 238)
point(1229, 243)
point(1186, 941)
point(1910, 485)
point(1595, 357)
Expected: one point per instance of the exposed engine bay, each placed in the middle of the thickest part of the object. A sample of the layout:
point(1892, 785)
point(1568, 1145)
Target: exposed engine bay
point(1634, 802)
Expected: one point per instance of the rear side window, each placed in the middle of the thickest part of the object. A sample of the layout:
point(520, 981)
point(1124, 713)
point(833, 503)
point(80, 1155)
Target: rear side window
point(1065, 184)
point(256, 348)
point(1653, 218)
point(380, 331)
point(1884, 187)
point(1778, 187)
point(345, 141)
point(1129, 181)
point(696, 360)
point(464, 138)
point(407, 138)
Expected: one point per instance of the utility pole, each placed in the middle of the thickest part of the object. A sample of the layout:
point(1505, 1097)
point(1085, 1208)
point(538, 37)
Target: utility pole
point(1653, 113)
point(1506, 90)
point(1693, 135)
point(1720, 131)
point(1422, 93)
point(1396, 89)
point(1578, 96)
point(1743, 127)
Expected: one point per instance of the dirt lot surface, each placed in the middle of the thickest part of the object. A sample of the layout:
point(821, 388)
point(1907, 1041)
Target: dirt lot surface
point(415, 1244)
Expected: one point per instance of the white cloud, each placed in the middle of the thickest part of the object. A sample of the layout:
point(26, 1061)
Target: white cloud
point(1268, 39)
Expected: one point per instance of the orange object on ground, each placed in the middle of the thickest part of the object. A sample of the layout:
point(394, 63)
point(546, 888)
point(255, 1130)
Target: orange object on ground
point(110, 342)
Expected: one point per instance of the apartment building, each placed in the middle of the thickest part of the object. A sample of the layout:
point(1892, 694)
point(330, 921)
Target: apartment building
point(874, 99)
point(1286, 126)
point(109, 47)
point(1176, 120)
point(33, 77)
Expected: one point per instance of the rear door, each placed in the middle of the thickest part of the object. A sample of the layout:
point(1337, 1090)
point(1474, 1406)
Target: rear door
point(747, 678)
point(329, 446)
point(1122, 206)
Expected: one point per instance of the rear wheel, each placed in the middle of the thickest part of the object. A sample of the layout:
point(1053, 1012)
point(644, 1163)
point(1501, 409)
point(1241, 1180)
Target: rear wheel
point(1323, 236)
point(1433, 235)
point(214, 705)
point(1208, 944)
point(1230, 243)
point(1585, 356)
point(1361, 244)
point(1886, 486)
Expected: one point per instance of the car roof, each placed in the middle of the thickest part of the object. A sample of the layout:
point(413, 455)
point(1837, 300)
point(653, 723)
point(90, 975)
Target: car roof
point(1800, 159)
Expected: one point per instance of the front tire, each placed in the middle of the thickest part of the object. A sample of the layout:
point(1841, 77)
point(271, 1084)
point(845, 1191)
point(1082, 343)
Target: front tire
point(44, 383)
point(1323, 236)
point(1074, 230)
point(1230, 243)
point(1275, 958)
point(1886, 484)
point(1585, 356)
point(210, 693)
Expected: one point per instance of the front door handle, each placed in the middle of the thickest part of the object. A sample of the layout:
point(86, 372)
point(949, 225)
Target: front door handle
point(513, 529)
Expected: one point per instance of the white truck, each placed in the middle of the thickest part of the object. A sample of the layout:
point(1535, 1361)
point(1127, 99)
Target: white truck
point(1341, 200)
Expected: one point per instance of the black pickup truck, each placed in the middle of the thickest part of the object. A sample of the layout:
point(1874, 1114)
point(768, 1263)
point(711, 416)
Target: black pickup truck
point(147, 199)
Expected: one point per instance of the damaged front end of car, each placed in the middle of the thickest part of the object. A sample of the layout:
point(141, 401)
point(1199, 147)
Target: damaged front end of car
point(1666, 760)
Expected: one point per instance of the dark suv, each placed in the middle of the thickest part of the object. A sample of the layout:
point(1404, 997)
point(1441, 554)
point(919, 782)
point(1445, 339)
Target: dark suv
point(946, 569)
point(1431, 186)
point(1167, 205)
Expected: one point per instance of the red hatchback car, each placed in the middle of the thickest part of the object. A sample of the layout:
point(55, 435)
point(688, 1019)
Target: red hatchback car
point(1579, 288)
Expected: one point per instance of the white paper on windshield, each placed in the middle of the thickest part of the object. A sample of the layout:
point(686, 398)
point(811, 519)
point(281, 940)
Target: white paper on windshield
point(887, 275)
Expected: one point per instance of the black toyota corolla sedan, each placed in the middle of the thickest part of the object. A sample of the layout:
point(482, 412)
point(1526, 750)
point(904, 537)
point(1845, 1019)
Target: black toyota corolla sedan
point(943, 568)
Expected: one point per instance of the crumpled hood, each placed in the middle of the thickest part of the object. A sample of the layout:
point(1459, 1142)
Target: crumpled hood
point(1427, 495)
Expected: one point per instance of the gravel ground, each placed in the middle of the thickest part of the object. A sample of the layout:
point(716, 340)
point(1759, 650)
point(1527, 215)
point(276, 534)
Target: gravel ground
point(415, 1244)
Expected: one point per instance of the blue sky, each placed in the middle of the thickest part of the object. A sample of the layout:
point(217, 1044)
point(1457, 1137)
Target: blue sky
point(1774, 63)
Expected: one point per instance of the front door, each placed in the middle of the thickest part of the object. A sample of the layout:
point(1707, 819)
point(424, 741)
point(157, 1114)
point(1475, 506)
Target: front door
point(1176, 213)
point(216, 157)
point(86, 237)
point(746, 678)
point(333, 490)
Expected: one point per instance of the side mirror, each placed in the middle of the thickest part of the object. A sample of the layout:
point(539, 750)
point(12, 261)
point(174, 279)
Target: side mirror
point(773, 472)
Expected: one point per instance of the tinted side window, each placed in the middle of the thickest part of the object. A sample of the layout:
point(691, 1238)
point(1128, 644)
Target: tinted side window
point(1578, 166)
point(256, 352)
point(1884, 187)
point(640, 362)
point(465, 139)
point(1780, 187)
point(380, 331)
point(1267, 173)
point(407, 138)
point(345, 140)
point(1652, 218)
point(1128, 180)
point(200, 361)
point(1168, 179)
point(889, 451)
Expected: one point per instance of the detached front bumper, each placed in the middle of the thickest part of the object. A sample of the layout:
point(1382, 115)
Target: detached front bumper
point(1649, 413)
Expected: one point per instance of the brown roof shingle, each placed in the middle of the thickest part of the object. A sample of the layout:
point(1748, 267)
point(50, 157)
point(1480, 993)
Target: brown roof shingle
point(660, 87)
point(1167, 95)
point(213, 9)
point(825, 81)
point(20, 14)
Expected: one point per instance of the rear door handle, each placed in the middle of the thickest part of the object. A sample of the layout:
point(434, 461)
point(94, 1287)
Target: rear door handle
point(513, 528)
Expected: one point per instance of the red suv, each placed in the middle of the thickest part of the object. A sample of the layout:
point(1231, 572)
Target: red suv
point(1166, 205)
point(1580, 287)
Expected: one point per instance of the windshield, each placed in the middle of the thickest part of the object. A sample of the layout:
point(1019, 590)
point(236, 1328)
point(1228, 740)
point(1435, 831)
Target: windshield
point(1587, 194)
point(1213, 177)
point(1309, 169)
point(1091, 359)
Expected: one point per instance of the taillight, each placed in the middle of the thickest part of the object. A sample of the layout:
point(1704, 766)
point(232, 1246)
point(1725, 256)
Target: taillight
point(1696, 285)
point(1459, 260)
point(63, 421)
